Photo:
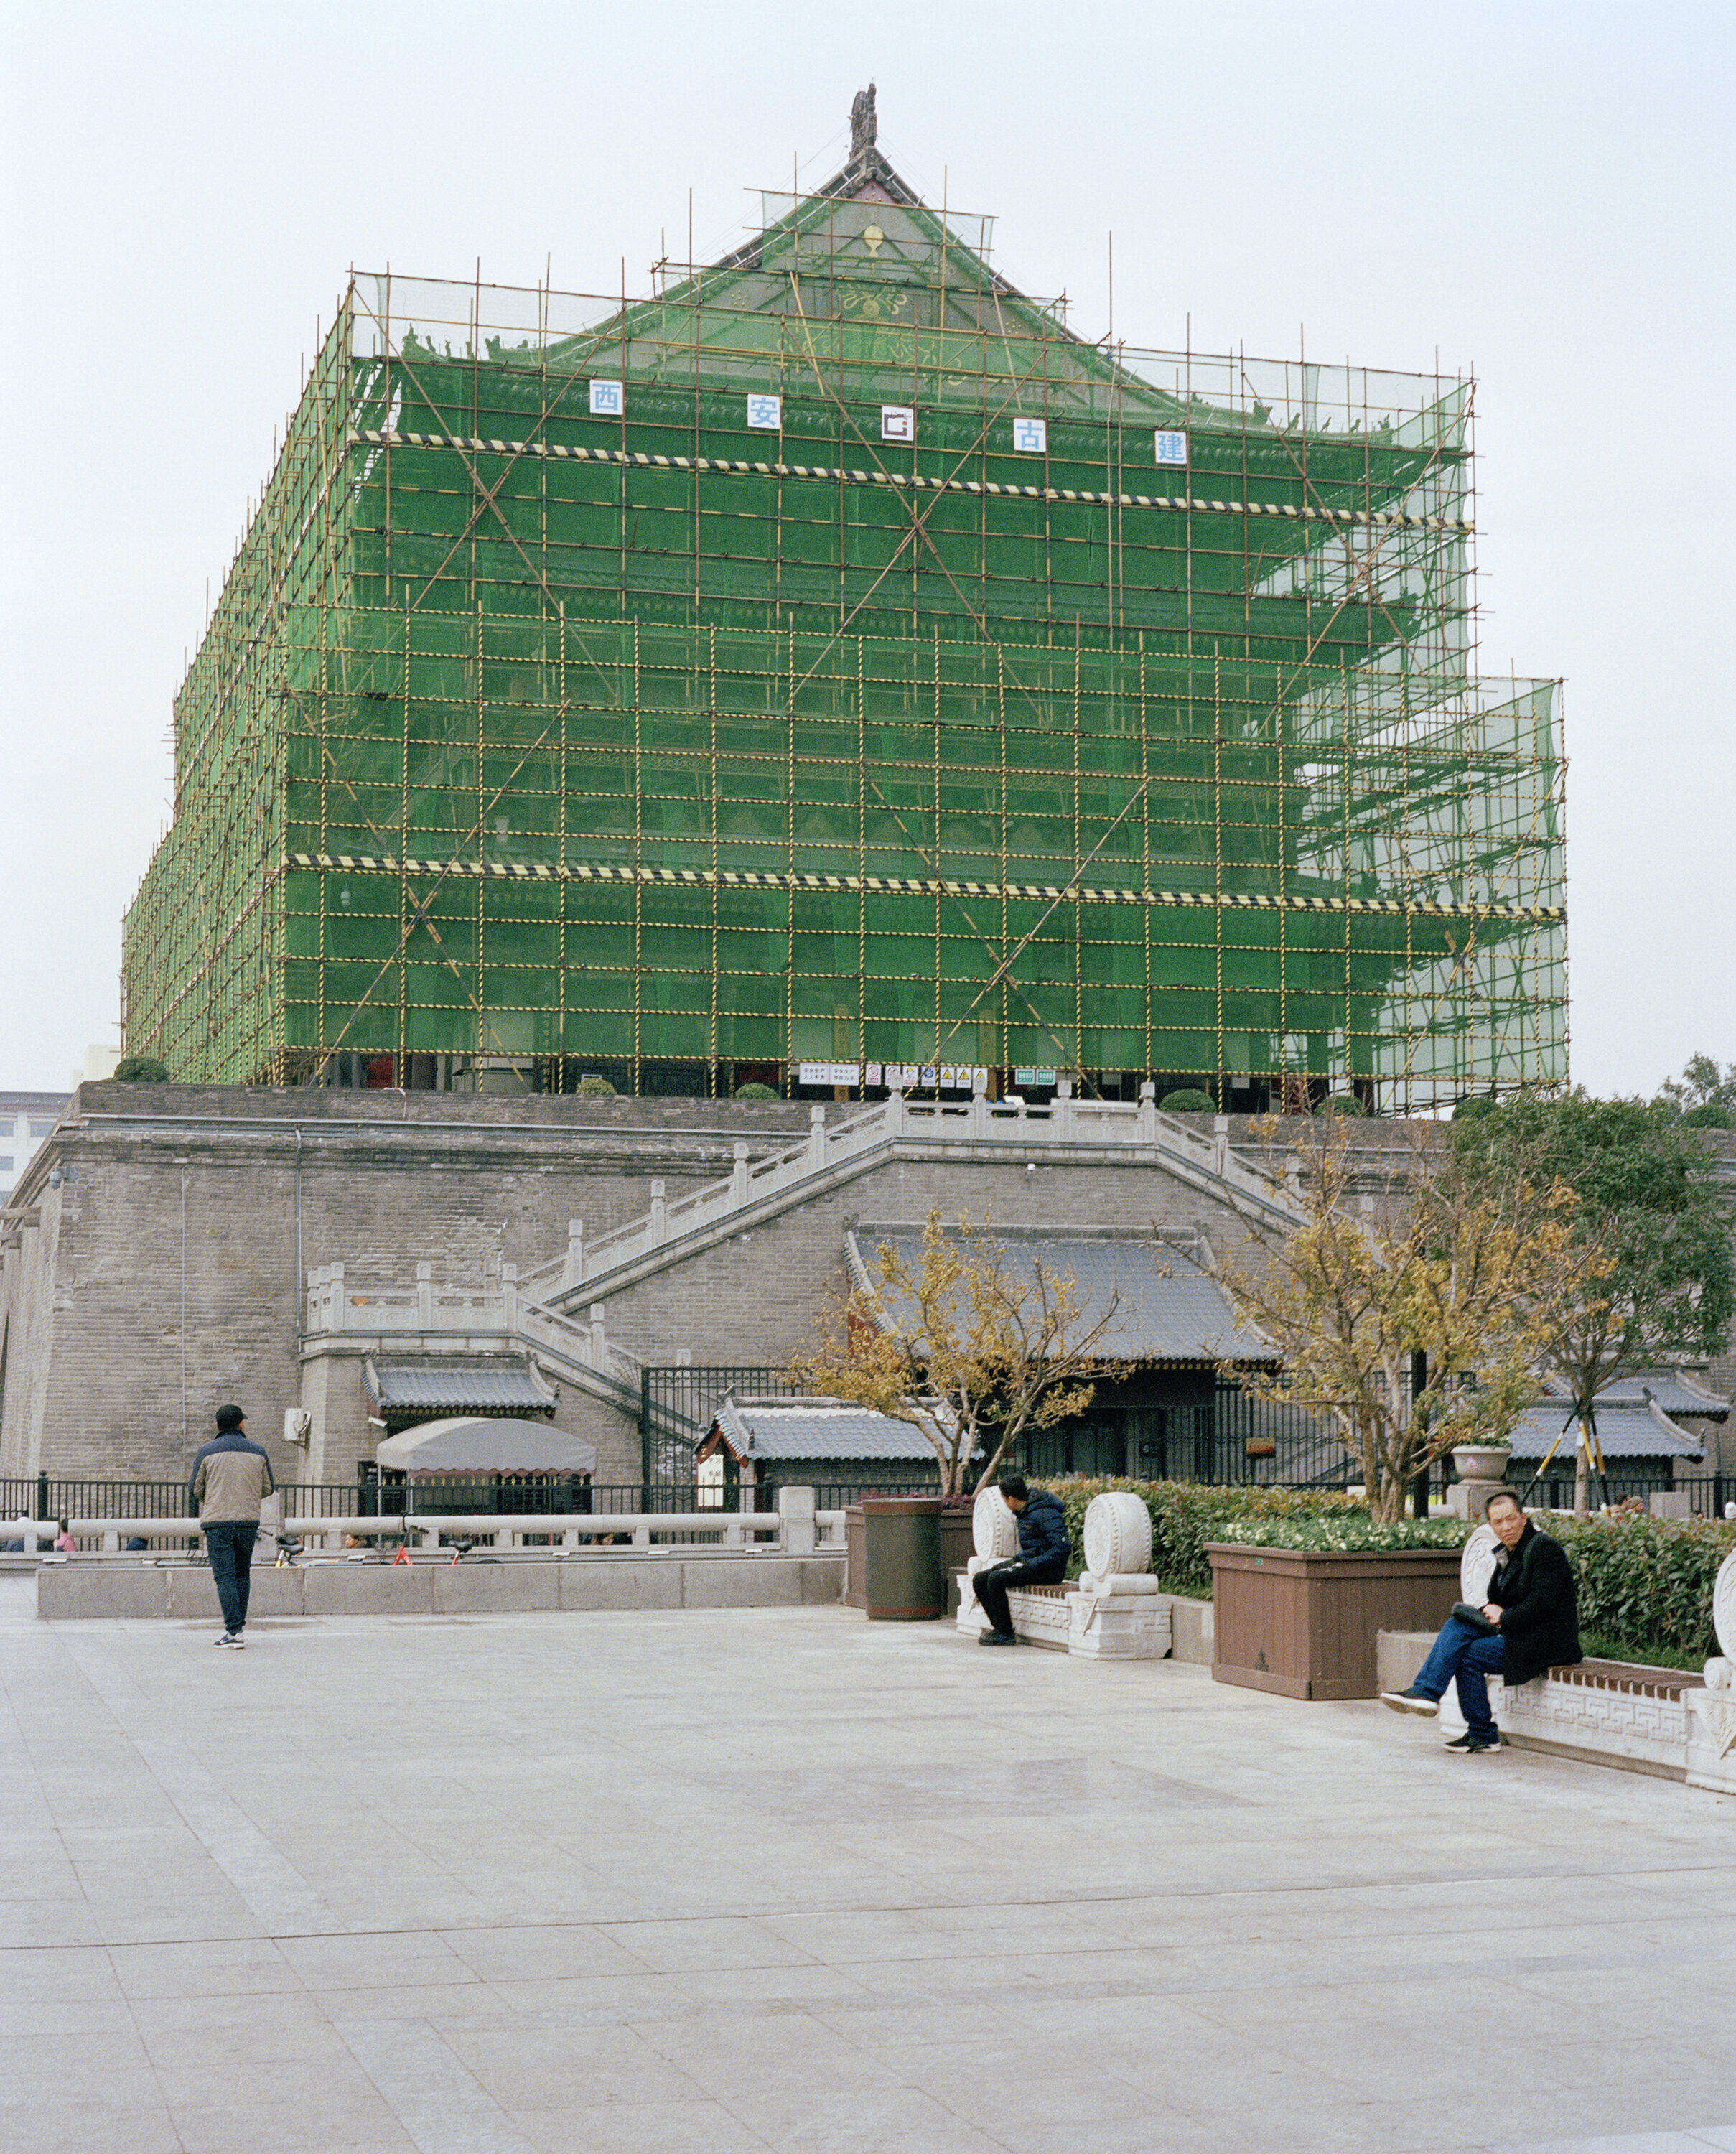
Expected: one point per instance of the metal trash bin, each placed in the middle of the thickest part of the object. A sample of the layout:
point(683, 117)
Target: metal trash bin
point(902, 1578)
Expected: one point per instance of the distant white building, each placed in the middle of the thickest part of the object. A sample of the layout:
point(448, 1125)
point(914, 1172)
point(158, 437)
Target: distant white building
point(99, 1064)
point(25, 1120)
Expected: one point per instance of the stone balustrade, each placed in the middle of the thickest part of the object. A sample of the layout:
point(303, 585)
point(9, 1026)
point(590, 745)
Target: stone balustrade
point(1138, 1126)
point(795, 1527)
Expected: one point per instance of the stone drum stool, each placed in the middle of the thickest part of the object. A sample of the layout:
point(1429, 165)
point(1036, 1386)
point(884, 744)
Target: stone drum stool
point(994, 1535)
point(1712, 1712)
point(1119, 1612)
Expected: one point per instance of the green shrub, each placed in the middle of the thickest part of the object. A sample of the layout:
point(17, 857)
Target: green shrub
point(1186, 1101)
point(1185, 1516)
point(1646, 1581)
point(1708, 1116)
point(754, 1092)
point(1342, 1103)
point(594, 1088)
point(1598, 1647)
point(141, 1069)
point(1645, 1584)
point(1474, 1109)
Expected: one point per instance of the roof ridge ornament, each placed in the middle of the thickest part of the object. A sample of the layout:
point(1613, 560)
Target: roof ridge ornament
point(864, 127)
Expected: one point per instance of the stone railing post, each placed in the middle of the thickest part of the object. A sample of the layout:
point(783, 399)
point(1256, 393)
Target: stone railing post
point(895, 1112)
point(1148, 1113)
point(425, 1297)
point(817, 1135)
point(738, 1175)
point(575, 1251)
point(979, 1110)
point(338, 1294)
point(1062, 1124)
point(598, 1347)
point(796, 1528)
point(659, 1217)
point(1220, 1143)
point(509, 1296)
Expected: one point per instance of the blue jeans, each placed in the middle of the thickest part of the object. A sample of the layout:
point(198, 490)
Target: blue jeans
point(229, 1545)
point(1467, 1655)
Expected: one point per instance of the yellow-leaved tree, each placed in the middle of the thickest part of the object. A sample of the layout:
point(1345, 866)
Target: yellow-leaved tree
point(969, 1340)
point(1472, 1273)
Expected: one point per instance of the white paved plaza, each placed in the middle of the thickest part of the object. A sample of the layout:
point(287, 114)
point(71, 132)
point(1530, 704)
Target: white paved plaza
point(721, 1881)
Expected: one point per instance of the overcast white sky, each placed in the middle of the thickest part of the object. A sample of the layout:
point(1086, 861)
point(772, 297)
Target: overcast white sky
point(1541, 190)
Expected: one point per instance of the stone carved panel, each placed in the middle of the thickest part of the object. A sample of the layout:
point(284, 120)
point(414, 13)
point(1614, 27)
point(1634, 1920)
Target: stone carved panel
point(1622, 1723)
point(1723, 1605)
point(1476, 1565)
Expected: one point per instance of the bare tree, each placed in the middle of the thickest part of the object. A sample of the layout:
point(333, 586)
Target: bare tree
point(965, 1342)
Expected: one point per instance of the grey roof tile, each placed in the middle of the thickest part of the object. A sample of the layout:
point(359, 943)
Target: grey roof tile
point(1624, 1432)
point(816, 1428)
point(1674, 1393)
point(1170, 1309)
point(456, 1383)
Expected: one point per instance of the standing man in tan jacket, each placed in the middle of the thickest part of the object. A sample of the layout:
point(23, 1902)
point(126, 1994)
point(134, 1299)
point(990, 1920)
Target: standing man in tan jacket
point(231, 1478)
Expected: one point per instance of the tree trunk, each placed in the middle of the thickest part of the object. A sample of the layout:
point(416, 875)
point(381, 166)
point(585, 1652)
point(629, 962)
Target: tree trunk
point(1582, 1471)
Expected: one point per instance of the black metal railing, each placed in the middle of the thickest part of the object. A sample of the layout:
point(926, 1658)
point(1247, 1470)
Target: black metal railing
point(678, 1403)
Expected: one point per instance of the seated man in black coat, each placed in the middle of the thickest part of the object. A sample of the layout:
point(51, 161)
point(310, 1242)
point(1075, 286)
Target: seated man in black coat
point(1042, 1558)
point(1533, 1608)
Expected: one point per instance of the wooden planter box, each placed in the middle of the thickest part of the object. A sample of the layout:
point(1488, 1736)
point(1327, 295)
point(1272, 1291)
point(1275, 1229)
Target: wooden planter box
point(1303, 1623)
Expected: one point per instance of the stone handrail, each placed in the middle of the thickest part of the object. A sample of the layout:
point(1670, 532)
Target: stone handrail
point(1137, 1125)
point(794, 1528)
point(338, 1305)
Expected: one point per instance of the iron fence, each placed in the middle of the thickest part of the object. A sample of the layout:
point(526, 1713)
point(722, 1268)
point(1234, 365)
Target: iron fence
point(677, 1404)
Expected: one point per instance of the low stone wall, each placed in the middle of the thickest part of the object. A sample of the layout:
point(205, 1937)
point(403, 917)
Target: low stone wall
point(592, 1580)
point(1191, 1635)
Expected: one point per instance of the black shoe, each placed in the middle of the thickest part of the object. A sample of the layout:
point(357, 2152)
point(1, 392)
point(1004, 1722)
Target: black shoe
point(999, 1638)
point(1467, 1743)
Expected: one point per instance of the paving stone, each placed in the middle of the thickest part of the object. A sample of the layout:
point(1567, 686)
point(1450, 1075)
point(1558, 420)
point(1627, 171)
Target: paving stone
point(775, 1877)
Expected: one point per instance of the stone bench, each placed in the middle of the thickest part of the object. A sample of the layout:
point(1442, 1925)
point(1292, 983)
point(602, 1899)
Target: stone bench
point(1113, 1611)
point(1605, 1712)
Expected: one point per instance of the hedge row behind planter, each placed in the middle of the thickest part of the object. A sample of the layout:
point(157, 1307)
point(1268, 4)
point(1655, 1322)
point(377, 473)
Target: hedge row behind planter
point(1642, 1578)
point(1639, 1578)
point(1185, 1516)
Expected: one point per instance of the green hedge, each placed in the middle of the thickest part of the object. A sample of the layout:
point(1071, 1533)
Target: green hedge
point(1185, 1516)
point(1647, 1581)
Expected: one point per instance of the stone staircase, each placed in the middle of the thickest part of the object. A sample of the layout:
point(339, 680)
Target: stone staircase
point(556, 1311)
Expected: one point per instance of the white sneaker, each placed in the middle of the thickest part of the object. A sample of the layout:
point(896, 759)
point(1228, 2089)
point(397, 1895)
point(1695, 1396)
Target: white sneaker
point(231, 1638)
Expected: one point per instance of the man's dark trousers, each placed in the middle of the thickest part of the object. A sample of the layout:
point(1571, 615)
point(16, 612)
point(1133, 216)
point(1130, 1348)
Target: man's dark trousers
point(991, 1587)
point(229, 1543)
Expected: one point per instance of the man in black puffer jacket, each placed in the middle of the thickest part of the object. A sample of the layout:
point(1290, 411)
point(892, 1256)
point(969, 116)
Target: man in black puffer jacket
point(1529, 1622)
point(1042, 1559)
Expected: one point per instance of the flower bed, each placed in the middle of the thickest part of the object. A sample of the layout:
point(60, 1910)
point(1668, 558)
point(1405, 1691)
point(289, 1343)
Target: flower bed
point(1344, 1532)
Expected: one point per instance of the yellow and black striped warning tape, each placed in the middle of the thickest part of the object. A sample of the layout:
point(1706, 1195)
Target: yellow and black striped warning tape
point(911, 481)
point(603, 871)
